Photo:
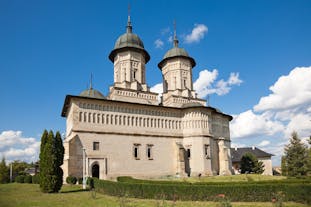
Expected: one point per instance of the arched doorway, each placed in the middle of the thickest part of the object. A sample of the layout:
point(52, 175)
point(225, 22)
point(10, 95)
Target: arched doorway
point(95, 171)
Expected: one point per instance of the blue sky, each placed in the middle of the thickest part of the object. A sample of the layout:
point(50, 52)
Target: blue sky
point(49, 49)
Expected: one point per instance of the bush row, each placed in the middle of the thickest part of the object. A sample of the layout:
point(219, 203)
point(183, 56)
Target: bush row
point(128, 179)
point(265, 192)
point(72, 180)
point(27, 179)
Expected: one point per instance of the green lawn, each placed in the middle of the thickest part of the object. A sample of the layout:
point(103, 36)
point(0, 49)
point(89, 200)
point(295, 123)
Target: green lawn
point(26, 195)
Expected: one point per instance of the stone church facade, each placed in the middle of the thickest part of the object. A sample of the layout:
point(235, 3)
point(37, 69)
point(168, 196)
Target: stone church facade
point(130, 132)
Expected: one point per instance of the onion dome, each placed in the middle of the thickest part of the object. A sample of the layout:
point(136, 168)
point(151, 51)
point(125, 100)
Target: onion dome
point(128, 41)
point(176, 52)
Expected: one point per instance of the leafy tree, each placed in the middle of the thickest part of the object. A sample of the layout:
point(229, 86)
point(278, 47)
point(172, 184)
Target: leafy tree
point(250, 164)
point(19, 167)
point(4, 172)
point(296, 157)
point(51, 158)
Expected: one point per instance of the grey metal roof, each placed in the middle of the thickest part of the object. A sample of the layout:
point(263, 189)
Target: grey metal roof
point(176, 52)
point(131, 41)
point(237, 153)
point(92, 93)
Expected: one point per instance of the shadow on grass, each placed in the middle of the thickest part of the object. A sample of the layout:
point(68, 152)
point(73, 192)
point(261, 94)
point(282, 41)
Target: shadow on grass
point(74, 191)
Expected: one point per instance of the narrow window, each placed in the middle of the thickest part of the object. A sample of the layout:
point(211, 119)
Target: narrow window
point(206, 151)
point(136, 151)
point(95, 145)
point(149, 151)
point(188, 153)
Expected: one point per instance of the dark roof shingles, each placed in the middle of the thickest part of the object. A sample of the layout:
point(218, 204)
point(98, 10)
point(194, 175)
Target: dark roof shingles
point(237, 153)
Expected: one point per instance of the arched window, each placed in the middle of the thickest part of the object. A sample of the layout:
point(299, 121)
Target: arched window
point(95, 170)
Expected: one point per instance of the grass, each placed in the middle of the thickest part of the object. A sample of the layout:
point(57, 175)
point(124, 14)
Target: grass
point(29, 195)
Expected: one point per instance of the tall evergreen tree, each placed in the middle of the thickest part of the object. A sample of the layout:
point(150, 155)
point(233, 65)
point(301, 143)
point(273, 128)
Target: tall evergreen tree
point(284, 166)
point(296, 157)
point(4, 172)
point(51, 158)
point(59, 152)
point(250, 164)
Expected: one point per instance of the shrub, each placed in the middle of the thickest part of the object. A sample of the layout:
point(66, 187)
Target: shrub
point(28, 179)
point(36, 179)
point(20, 178)
point(71, 180)
point(248, 192)
point(90, 182)
point(80, 180)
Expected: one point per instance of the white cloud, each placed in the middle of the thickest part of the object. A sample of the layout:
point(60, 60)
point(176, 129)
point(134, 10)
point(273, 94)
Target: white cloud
point(197, 33)
point(14, 146)
point(238, 145)
point(286, 109)
point(165, 30)
point(300, 123)
point(248, 125)
point(170, 39)
point(264, 143)
point(205, 85)
point(290, 91)
point(234, 79)
point(159, 43)
point(157, 88)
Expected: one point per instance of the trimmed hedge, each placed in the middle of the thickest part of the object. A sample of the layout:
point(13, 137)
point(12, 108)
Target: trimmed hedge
point(20, 178)
point(297, 192)
point(36, 179)
point(28, 179)
point(128, 179)
point(71, 180)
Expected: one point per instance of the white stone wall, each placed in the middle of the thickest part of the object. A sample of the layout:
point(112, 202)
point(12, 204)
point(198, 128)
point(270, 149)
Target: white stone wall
point(268, 165)
point(118, 126)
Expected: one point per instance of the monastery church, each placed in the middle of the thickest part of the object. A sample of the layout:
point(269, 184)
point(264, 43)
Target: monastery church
point(130, 132)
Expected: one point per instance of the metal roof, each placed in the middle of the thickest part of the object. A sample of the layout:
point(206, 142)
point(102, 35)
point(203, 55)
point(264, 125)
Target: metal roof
point(237, 153)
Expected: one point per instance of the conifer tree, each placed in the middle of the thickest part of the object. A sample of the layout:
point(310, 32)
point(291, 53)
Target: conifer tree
point(284, 166)
point(296, 157)
point(4, 172)
point(250, 164)
point(59, 152)
point(51, 158)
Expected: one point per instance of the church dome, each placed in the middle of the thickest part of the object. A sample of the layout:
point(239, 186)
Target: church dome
point(92, 93)
point(176, 52)
point(127, 41)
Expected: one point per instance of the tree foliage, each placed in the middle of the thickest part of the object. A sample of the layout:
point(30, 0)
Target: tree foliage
point(4, 172)
point(284, 166)
point(296, 157)
point(250, 164)
point(51, 158)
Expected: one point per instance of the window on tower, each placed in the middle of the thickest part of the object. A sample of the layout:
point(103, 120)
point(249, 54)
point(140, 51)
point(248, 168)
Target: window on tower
point(95, 145)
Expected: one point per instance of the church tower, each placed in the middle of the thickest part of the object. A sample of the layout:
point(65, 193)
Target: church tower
point(129, 58)
point(176, 68)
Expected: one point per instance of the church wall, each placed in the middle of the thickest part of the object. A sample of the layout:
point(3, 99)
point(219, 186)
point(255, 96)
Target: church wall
point(118, 150)
point(119, 127)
